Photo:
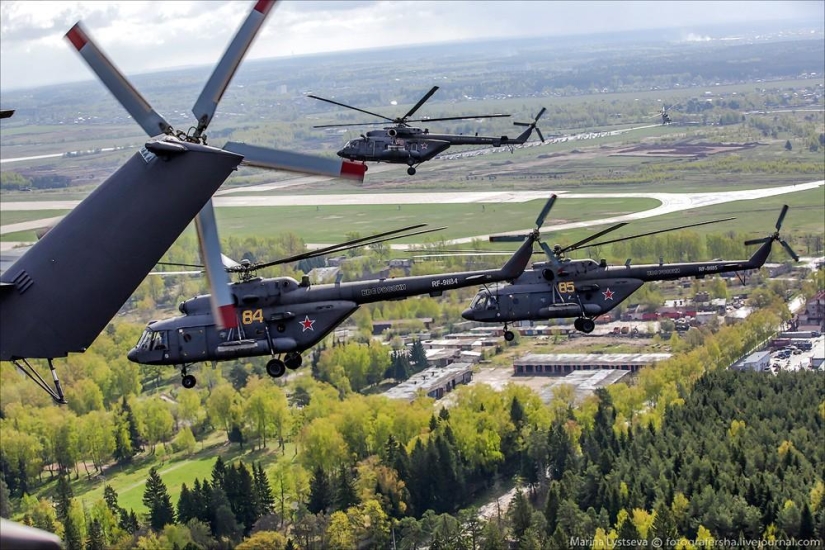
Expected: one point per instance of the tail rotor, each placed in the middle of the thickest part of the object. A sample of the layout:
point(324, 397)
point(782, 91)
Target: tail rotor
point(775, 237)
point(533, 125)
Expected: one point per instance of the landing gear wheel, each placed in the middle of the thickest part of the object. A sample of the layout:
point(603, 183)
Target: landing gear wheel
point(411, 171)
point(293, 360)
point(509, 335)
point(588, 325)
point(188, 381)
point(275, 368)
point(577, 324)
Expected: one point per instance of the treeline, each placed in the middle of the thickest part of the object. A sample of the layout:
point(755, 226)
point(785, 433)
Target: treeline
point(14, 181)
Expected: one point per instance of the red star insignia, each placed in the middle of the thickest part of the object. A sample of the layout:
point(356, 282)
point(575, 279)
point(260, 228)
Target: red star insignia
point(608, 294)
point(307, 324)
point(424, 146)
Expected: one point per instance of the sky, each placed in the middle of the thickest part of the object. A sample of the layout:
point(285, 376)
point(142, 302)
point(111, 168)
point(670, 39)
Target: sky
point(145, 36)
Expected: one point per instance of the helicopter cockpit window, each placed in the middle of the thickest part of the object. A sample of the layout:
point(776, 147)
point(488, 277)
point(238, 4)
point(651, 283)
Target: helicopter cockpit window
point(145, 339)
point(159, 340)
point(484, 301)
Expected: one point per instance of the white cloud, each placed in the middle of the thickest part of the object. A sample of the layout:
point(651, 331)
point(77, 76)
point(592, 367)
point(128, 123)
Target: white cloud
point(141, 36)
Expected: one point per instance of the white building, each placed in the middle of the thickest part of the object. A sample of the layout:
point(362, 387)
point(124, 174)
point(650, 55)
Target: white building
point(756, 361)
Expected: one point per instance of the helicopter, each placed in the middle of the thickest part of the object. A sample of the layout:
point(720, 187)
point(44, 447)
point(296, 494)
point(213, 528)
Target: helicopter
point(281, 317)
point(405, 144)
point(584, 289)
point(60, 294)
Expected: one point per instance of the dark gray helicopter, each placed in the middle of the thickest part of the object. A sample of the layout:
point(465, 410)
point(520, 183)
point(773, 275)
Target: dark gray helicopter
point(57, 297)
point(584, 289)
point(284, 317)
point(405, 144)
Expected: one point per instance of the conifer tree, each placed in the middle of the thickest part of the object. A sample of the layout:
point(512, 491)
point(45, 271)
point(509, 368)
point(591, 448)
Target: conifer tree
point(63, 498)
point(96, 540)
point(345, 493)
point(187, 506)
point(156, 499)
point(5, 502)
point(218, 473)
point(320, 494)
point(246, 505)
point(263, 491)
point(110, 497)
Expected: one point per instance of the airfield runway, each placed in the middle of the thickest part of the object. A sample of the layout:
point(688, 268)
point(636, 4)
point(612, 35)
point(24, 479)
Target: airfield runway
point(670, 202)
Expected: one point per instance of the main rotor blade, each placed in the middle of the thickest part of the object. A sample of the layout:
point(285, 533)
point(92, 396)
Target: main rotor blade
point(350, 107)
point(545, 210)
point(316, 253)
point(333, 247)
point(223, 306)
point(781, 217)
point(126, 94)
point(421, 102)
point(790, 251)
point(467, 117)
point(507, 238)
point(215, 87)
point(349, 124)
point(661, 231)
point(301, 163)
point(595, 236)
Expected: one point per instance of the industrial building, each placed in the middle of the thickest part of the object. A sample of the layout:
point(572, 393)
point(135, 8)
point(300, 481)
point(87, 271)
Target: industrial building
point(565, 363)
point(758, 361)
point(434, 382)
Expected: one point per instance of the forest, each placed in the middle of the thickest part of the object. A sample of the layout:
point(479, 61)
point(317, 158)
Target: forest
point(689, 450)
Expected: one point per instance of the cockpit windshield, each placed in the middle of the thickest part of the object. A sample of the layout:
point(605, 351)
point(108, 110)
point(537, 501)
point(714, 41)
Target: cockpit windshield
point(152, 340)
point(483, 300)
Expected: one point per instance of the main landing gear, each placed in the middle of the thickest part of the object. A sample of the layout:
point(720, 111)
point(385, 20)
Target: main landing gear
point(277, 368)
point(509, 335)
point(411, 170)
point(584, 325)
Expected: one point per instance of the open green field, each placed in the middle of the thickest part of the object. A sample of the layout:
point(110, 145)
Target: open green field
point(18, 216)
point(332, 223)
point(129, 481)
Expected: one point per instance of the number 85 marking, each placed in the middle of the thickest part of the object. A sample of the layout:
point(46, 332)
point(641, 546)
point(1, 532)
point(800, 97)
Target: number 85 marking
point(567, 288)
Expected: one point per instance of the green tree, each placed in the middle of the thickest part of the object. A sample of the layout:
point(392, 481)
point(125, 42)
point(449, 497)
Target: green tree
point(320, 492)
point(156, 499)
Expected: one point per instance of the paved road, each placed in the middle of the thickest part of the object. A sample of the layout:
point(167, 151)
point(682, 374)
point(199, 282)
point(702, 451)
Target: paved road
point(670, 202)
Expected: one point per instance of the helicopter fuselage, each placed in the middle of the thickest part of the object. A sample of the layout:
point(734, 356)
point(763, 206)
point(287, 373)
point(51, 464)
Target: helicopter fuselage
point(281, 315)
point(412, 146)
point(585, 289)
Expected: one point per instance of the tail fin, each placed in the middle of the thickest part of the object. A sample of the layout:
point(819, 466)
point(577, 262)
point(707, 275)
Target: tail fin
point(516, 265)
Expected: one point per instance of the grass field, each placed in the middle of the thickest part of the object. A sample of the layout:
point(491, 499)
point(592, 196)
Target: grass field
point(18, 216)
point(332, 223)
point(175, 470)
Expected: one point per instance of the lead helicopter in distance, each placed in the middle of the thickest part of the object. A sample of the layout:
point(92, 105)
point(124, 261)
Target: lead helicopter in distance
point(562, 288)
point(281, 317)
point(410, 145)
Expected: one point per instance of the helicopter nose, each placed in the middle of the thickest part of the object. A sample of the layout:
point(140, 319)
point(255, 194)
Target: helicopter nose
point(133, 355)
point(341, 153)
point(469, 314)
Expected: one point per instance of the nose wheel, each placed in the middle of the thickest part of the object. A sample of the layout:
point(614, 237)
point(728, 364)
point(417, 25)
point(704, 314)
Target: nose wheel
point(187, 380)
point(411, 170)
